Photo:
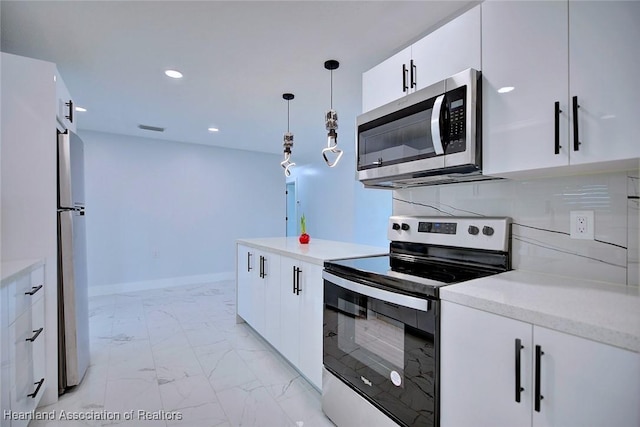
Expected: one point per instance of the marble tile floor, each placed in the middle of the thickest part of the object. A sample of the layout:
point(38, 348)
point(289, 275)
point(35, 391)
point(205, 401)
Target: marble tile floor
point(176, 357)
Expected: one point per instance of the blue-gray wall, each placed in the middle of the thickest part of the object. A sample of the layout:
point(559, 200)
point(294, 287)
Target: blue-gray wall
point(158, 209)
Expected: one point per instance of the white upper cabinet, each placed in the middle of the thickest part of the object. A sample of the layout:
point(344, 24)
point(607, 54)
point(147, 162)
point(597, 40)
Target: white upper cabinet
point(65, 108)
point(446, 51)
point(603, 66)
point(519, 52)
point(549, 53)
point(387, 81)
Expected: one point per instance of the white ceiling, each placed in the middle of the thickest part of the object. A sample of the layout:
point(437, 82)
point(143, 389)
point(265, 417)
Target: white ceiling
point(237, 57)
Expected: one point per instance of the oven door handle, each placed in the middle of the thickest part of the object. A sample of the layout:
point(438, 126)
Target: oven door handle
point(380, 294)
point(436, 113)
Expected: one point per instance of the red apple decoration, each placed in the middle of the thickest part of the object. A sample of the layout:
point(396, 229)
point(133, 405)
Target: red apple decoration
point(304, 237)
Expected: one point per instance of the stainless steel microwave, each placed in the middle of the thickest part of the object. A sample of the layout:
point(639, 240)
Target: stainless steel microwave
point(432, 136)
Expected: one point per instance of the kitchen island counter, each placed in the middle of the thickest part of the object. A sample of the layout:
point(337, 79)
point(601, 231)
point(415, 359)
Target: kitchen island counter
point(316, 251)
point(603, 312)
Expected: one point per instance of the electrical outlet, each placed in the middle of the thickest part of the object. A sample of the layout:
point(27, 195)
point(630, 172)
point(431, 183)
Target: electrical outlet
point(582, 225)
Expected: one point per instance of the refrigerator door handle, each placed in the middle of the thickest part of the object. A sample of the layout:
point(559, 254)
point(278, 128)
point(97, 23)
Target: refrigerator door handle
point(64, 170)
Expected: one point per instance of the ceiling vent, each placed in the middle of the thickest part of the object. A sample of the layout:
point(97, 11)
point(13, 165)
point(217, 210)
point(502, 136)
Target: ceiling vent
point(153, 128)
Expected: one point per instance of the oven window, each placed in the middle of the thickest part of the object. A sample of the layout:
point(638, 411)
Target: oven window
point(375, 340)
point(385, 352)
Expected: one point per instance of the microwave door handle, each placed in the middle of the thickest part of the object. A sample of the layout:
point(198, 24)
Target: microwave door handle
point(435, 125)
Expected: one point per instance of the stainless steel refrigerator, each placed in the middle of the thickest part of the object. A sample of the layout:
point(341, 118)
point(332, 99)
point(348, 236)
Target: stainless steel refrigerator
point(73, 302)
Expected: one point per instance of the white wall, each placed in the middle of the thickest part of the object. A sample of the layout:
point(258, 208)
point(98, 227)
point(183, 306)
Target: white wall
point(338, 207)
point(160, 210)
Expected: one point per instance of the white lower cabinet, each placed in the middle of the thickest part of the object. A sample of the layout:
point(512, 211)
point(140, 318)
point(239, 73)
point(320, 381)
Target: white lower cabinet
point(488, 362)
point(301, 295)
point(267, 297)
point(258, 275)
point(23, 345)
point(281, 299)
point(477, 369)
point(245, 271)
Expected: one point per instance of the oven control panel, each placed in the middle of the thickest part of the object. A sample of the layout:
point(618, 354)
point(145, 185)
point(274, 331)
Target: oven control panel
point(491, 233)
point(437, 227)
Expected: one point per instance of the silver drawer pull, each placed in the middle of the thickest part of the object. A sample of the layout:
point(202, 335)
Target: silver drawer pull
point(35, 335)
point(34, 290)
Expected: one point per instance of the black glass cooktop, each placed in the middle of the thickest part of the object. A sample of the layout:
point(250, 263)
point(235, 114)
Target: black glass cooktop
point(406, 274)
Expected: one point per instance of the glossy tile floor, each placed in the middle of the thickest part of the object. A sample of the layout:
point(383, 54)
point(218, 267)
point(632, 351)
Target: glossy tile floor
point(179, 351)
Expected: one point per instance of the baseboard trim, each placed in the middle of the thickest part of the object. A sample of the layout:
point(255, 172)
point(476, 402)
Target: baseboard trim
point(145, 285)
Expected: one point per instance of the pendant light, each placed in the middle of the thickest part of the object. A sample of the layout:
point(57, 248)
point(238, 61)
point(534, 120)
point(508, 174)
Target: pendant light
point(331, 122)
point(288, 141)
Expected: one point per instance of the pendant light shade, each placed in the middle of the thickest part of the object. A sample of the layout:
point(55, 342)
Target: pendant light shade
point(331, 123)
point(288, 141)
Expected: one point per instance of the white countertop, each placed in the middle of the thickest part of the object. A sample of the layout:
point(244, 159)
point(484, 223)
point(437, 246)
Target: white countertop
point(316, 251)
point(9, 269)
point(602, 312)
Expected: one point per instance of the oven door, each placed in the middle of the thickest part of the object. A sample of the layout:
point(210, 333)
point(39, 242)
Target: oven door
point(384, 346)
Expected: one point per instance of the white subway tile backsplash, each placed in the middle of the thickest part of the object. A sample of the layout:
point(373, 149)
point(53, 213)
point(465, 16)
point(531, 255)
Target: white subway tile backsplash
point(540, 211)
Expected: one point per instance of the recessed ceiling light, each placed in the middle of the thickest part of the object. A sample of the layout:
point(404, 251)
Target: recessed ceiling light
point(506, 89)
point(174, 74)
point(213, 129)
point(81, 109)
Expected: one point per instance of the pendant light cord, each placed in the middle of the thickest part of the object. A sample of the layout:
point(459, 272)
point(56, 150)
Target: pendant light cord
point(331, 103)
point(288, 116)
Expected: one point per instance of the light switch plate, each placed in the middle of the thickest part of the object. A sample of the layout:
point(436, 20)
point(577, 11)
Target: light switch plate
point(582, 225)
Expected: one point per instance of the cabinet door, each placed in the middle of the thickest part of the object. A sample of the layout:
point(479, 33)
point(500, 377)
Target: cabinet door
point(21, 364)
point(311, 312)
point(448, 50)
point(263, 285)
point(4, 354)
point(604, 62)
point(519, 51)
point(269, 294)
point(246, 266)
point(478, 369)
point(386, 81)
point(290, 310)
point(585, 383)
point(65, 108)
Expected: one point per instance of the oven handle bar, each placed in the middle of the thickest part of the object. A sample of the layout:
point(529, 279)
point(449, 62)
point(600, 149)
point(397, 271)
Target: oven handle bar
point(380, 294)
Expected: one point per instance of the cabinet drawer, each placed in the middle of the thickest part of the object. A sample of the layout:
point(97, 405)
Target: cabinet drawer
point(21, 361)
point(23, 291)
point(38, 349)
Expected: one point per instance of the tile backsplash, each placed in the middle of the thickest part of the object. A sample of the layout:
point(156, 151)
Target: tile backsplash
point(540, 211)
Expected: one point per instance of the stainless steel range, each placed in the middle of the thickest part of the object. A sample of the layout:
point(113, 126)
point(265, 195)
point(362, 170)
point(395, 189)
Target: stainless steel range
point(381, 317)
